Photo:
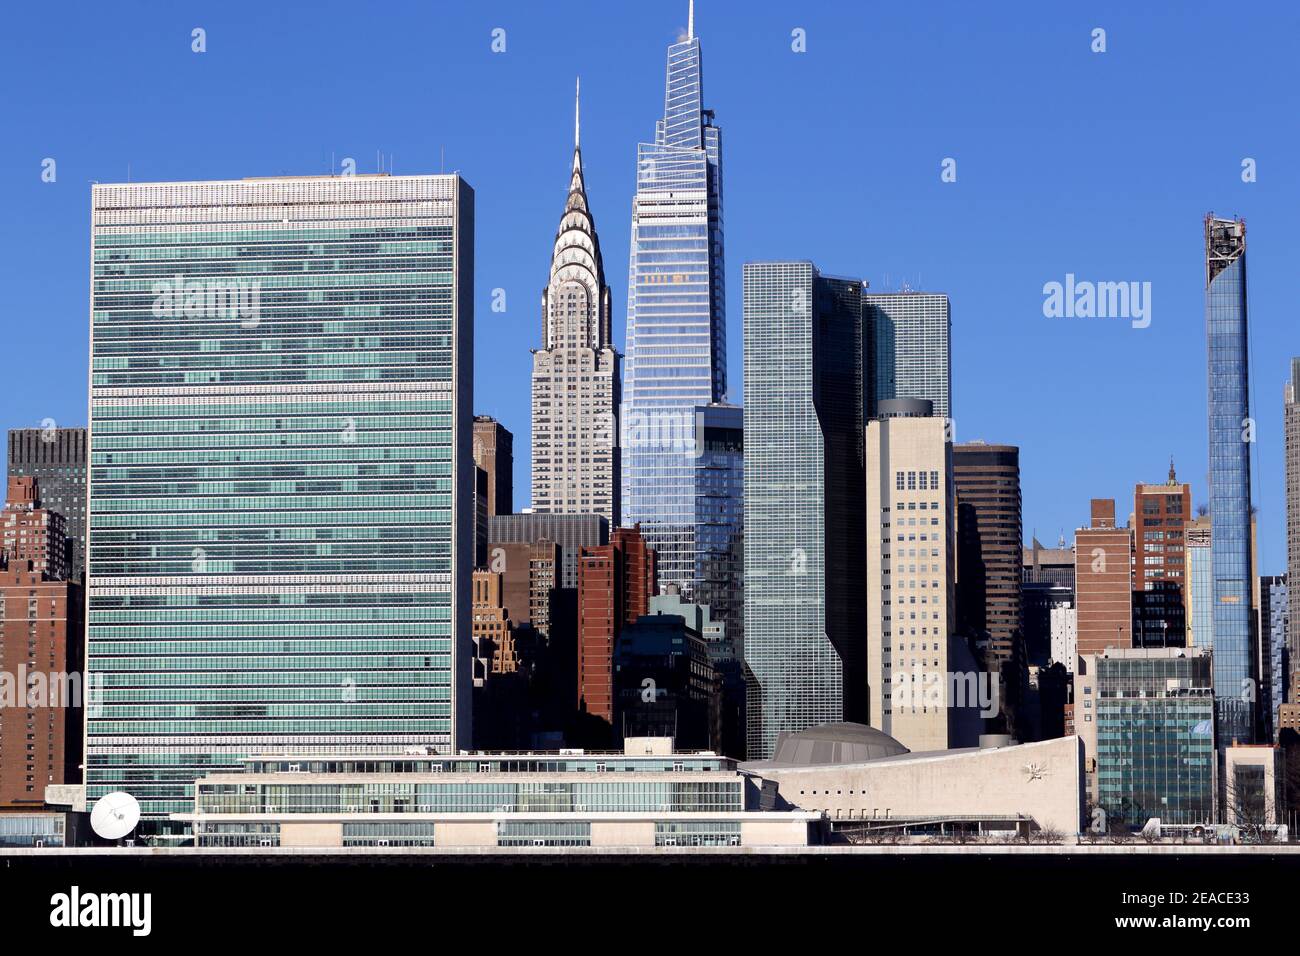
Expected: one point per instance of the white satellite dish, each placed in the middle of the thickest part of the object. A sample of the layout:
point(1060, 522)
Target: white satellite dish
point(115, 815)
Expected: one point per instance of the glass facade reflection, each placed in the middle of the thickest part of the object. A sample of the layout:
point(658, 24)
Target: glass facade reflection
point(805, 502)
point(1200, 584)
point(720, 517)
point(1232, 432)
point(280, 416)
point(698, 833)
point(1155, 736)
point(908, 336)
point(676, 335)
point(32, 829)
point(646, 795)
point(400, 796)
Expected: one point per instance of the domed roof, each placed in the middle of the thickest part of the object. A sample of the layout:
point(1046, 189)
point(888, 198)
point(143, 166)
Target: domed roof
point(834, 744)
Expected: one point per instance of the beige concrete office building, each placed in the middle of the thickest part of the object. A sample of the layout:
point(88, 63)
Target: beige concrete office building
point(911, 653)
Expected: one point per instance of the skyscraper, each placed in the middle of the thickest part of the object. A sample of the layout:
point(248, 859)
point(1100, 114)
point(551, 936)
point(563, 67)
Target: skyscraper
point(42, 689)
point(280, 444)
point(56, 457)
point(986, 483)
point(494, 453)
point(1291, 421)
point(575, 373)
point(720, 516)
point(1231, 434)
point(990, 545)
point(41, 639)
point(1103, 582)
point(912, 645)
point(805, 501)
point(908, 337)
point(676, 319)
point(1160, 563)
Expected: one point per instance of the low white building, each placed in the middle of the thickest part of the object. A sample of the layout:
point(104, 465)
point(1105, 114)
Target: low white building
point(645, 796)
point(864, 779)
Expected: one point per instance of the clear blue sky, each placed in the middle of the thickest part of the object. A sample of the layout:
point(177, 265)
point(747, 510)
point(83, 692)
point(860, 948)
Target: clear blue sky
point(1102, 165)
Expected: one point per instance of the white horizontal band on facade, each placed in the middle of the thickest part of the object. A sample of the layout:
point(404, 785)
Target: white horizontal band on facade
point(269, 217)
point(203, 393)
point(275, 584)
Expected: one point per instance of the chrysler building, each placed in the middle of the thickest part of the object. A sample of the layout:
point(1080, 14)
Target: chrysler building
point(576, 386)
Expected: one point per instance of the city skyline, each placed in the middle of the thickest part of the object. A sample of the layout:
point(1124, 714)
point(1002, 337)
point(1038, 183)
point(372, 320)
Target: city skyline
point(371, 521)
point(991, 300)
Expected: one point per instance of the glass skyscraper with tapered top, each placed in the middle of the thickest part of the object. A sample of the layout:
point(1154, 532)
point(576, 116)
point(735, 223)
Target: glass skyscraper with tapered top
point(805, 600)
point(280, 527)
point(1231, 434)
point(676, 337)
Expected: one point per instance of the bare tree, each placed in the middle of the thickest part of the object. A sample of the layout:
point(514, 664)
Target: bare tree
point(1248, 811)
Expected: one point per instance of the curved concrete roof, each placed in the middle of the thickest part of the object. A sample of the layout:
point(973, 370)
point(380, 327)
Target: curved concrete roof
point(834, 744)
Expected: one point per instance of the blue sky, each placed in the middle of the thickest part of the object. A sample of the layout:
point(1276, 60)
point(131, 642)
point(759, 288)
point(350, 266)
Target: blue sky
point(1068, 161)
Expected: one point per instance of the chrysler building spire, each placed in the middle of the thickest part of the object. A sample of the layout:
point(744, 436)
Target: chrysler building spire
point(576, 380)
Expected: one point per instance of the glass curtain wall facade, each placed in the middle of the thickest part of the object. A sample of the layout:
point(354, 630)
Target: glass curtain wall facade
point(805, 502)
point(1231, 434)
point(720, 517)
point(1155, 737)
point(676, 315)
point(1200, 585)
point(908, 335)
point(279, 523)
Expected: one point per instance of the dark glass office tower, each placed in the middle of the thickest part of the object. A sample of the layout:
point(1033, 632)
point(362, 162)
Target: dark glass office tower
point(805, 501)
point(1231, 433)
point(720, 516)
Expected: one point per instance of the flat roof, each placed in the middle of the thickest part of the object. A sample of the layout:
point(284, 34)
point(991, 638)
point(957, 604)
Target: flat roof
point(545, 776)
point(577, 816)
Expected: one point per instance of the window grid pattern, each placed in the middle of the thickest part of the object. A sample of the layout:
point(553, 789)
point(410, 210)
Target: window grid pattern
point(459, 797)
point(804, 501)
point(676, 330)
point(1231, 436)
point(698, 833)
point(276, 372)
